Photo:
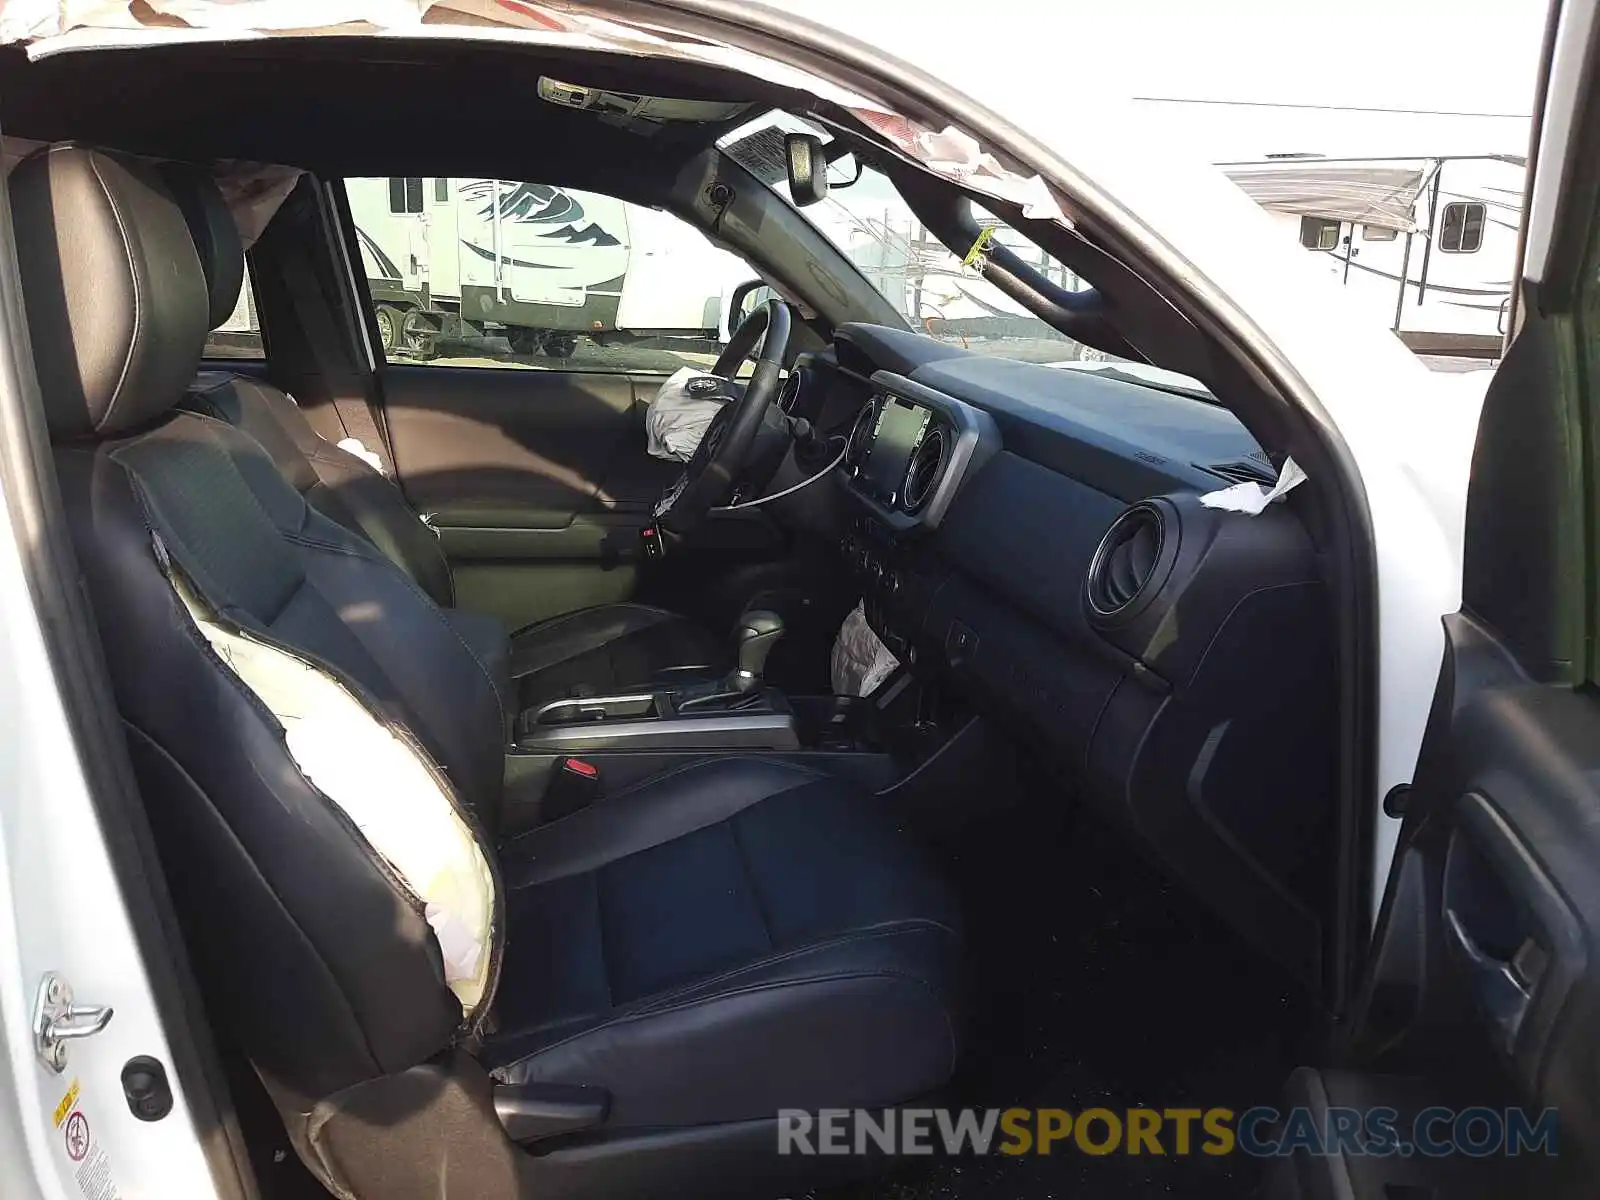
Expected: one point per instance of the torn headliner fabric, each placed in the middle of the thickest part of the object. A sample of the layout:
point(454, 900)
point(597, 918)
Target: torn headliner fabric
point(49, 27)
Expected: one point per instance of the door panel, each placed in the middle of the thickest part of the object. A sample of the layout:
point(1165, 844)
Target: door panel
point(539, 483)
point(1508, 827)
point(1483, 991)
point(528, 449)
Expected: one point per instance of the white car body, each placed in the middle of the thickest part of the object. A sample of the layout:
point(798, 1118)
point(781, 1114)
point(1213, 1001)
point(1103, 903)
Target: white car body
point(1410, 436)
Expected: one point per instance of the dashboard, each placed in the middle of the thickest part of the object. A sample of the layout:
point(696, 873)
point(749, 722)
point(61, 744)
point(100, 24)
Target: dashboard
point(910, 449)
point(1032, 538)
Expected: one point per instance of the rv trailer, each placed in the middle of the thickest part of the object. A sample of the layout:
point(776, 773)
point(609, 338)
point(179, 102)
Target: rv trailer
point(1427, 244)
point(466, 259)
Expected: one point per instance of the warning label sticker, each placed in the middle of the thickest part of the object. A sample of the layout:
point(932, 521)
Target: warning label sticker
point(68, 1103)
point(91, 1166)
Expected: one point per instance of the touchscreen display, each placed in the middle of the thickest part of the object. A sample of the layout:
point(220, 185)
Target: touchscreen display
point(900, 428)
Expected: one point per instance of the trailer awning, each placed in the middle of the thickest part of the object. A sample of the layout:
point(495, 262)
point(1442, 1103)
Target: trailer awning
point(1382, 195)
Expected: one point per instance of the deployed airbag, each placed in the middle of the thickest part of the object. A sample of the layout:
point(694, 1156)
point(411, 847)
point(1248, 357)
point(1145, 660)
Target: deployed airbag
point(386, 789)
point(682, 412)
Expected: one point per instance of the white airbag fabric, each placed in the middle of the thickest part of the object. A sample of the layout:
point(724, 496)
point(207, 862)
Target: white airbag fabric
point(384, 787)
point(860, 661)
point(676, 420)
point(1252, 498)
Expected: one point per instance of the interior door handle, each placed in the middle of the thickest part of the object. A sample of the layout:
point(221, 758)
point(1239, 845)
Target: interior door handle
point(1501, 988)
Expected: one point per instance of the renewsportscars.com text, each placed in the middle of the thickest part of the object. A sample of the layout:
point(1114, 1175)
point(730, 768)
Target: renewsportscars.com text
point(1259, 1132)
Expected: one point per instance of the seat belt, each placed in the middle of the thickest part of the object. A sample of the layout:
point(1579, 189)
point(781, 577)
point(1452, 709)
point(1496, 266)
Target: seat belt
point(357, 431)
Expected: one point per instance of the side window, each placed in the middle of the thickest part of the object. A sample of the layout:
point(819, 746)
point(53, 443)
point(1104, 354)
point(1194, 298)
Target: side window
point(405, 195)
point(499, 273)
point(1461, 230)
point(240, 335)
point(1318, 233)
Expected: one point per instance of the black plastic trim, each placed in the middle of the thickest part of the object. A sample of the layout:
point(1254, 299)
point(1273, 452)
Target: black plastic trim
point(975, 439)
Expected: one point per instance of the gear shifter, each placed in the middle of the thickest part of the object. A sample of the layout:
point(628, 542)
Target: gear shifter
point(758, 632)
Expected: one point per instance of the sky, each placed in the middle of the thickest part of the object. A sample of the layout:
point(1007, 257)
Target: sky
point(1475, 56)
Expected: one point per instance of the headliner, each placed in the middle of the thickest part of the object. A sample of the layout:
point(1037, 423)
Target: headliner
point(351, 106)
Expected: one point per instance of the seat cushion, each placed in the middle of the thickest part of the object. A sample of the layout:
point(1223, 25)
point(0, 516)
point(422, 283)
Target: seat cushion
point(604, 648)
point(733, 938)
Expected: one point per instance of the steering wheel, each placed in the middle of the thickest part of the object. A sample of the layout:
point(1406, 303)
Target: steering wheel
point(725, 451)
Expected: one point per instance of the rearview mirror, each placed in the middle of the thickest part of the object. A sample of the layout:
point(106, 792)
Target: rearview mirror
point(807, 166)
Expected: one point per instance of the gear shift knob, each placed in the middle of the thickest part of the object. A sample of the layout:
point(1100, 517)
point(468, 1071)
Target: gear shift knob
point(757, 633)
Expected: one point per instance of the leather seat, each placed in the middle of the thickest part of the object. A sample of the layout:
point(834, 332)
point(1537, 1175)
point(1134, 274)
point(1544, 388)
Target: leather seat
point(738, 937)
point(603, 648)
point(653, 977)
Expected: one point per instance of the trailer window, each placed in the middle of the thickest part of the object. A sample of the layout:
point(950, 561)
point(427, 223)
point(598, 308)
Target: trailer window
point(1461, 230)
point(1318, 233)
point(405, 195)
point(498, 272)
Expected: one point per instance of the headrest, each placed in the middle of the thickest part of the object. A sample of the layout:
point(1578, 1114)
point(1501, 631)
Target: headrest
point(216, 237)
point(115, 298)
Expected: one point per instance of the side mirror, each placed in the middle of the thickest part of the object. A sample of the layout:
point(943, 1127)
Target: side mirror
point(744, 300)
point(807, 165)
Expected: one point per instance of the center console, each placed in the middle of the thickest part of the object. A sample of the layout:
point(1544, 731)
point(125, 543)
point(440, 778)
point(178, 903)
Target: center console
point(907, 455)
point(700, 716)
point(686, 709)
point(902, 742)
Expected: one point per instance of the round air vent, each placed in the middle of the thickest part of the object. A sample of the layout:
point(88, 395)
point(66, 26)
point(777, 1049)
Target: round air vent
point(792, 386)
point(927, 461)
point(1126, 561)
point(855, 451)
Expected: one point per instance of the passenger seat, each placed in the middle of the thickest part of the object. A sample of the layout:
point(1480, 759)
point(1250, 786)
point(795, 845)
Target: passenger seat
point(603, 647)
point(618, 1003)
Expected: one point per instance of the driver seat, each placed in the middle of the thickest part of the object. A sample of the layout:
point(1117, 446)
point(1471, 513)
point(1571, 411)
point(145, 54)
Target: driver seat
point(601, 648)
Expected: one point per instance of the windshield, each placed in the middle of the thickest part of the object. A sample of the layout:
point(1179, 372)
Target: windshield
point(925, 282)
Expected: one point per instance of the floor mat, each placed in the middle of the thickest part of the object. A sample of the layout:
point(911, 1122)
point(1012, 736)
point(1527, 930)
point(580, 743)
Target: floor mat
point(1099, 984)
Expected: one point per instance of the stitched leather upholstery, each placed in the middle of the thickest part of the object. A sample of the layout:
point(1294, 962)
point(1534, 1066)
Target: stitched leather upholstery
point(728, 940)
point(737, 937)
point(598, 649)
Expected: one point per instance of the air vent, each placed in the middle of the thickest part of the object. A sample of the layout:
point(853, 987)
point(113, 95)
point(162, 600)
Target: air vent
point(1126, 560)
point(792, 387)
point(855, 451)
point(1243, 470)
point(927, 462)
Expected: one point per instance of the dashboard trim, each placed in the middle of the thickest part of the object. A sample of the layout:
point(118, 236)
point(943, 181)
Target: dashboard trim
point(974, 440)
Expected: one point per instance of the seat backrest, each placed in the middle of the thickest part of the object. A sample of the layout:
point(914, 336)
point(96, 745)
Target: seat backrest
point(334, 482)
point(314, 743)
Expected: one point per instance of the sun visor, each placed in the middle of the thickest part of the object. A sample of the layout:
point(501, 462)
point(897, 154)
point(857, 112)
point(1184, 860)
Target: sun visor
point(1373, 194)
